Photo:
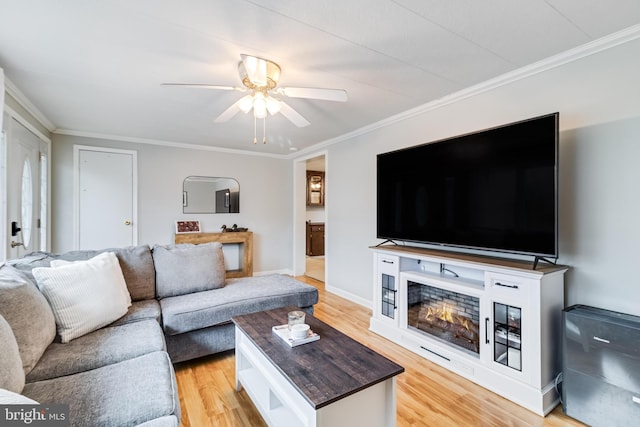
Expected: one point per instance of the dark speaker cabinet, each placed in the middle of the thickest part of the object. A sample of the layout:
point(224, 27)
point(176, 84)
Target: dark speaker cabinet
point(601, 366)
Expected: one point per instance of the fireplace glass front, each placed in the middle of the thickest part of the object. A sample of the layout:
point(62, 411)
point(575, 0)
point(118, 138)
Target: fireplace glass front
point(449, 316)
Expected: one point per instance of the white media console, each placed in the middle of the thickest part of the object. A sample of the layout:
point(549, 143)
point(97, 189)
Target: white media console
point(494, 321)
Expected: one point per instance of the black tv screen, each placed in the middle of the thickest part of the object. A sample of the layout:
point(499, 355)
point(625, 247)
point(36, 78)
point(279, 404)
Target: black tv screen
point(491, 190)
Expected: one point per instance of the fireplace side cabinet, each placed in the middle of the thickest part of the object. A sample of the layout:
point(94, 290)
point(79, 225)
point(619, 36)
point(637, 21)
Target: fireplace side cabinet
point(512, 315)
point(386, 288)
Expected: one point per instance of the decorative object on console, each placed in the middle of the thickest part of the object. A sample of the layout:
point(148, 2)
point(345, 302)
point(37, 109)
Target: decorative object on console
point(233, 229)
point(183, 227)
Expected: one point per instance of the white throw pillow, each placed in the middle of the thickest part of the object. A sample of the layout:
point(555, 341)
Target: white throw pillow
point(10, 398)
point(85, 295)
point(125, 290)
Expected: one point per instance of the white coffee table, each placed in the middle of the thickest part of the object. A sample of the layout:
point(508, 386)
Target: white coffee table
point(334, 381)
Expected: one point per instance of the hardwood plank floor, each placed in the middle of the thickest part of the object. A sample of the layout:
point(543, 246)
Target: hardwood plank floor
point(428, 395)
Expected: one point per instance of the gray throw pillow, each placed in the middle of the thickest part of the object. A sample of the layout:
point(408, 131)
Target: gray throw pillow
point(186, 268)
point(137, 267)
point(11, 373)
point(28, 313)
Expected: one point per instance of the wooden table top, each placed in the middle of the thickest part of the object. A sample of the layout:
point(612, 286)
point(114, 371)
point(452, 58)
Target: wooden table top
point(323, 371)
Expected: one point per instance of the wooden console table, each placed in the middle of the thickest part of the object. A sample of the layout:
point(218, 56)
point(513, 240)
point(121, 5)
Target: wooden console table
point(244, 238)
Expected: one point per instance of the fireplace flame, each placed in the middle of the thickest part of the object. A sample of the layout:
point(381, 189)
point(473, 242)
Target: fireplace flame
point(445, 313)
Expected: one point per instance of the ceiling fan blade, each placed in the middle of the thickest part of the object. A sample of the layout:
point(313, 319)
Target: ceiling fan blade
point(231, 111)
point(205, 86)
point(293, 115)
point(256, 69)
point(338, 95)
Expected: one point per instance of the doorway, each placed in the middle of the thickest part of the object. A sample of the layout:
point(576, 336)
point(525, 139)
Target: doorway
point(26, 162)
point(315, 218)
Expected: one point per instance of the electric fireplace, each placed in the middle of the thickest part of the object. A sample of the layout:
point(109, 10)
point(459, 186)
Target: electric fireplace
point(449, 316)
point(493, 321)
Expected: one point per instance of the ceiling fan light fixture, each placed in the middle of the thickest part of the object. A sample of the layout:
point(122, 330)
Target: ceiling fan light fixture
point(273, 105)
point(246, 104)
point(260, 79)
point(259, 106)
point(258, 73)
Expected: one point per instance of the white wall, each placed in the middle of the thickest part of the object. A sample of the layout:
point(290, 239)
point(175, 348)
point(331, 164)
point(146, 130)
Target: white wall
point(597, 97)
point(265, 196)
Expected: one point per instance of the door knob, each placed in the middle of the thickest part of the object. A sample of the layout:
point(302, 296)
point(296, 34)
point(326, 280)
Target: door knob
point(127, 222)
point(16, 244)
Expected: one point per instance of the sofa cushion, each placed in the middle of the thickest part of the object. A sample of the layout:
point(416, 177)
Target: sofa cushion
point(28, 313)
point(135, 261)
point(140, 310)
point(10, 398)
point(103, 347)
point(187, 268)
point(201, 342)
point(186, 313)
point(11, 373)
point(84, 296)
point(122, 394)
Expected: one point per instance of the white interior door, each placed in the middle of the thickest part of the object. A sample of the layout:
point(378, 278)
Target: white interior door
point(26, 188)
point(105, 182)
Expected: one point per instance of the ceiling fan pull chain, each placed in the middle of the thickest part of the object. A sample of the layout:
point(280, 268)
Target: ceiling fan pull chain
point(255, 139)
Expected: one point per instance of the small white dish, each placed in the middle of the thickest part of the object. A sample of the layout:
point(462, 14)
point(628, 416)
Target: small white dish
point(300, 331)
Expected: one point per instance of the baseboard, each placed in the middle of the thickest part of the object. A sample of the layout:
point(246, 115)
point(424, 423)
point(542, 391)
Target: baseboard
point(348, 295)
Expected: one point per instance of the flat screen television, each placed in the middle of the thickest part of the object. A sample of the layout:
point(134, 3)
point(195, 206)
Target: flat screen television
point(494, 190)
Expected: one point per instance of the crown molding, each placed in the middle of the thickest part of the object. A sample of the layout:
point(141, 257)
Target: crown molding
point(591, 48)
point(147, 141)
point(25, 103)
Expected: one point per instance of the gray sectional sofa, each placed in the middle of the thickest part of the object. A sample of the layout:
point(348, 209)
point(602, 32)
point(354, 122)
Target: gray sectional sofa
point(177, 306)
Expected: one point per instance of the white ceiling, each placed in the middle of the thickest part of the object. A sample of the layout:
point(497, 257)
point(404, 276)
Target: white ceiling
point(96, 67)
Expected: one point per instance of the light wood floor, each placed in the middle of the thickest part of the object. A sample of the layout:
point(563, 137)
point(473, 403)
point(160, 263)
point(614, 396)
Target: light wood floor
point(428, 395)
point(314, 267)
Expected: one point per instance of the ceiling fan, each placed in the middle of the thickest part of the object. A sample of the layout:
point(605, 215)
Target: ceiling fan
point(260, 77)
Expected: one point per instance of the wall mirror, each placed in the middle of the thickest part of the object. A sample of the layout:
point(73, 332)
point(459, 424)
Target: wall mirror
point(315, 188)
point(208, 194)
